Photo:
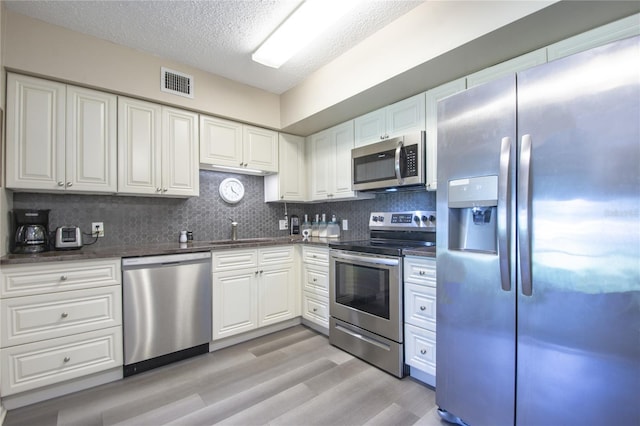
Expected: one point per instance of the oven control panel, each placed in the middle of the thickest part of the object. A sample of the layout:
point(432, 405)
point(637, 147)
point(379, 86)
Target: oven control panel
point(424, 220)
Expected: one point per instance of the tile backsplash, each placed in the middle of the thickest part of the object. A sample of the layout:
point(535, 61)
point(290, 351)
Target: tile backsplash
point(133, 220)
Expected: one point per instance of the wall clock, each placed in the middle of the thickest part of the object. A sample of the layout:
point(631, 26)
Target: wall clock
point(231, 190)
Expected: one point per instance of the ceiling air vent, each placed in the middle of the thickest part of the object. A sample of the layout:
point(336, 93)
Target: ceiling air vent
point(176, 82)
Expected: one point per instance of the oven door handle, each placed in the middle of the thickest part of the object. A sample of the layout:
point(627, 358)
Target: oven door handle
point(367, 259)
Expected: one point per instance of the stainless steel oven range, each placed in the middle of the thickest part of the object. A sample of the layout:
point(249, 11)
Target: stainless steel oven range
point(366, 297)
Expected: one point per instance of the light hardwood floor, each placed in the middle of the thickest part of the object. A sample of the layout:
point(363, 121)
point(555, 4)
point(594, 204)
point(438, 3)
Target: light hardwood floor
point(293, 377)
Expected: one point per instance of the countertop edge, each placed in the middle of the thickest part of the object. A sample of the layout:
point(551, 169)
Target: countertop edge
point(88, 253)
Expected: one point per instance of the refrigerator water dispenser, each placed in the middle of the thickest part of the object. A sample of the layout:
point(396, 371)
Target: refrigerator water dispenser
point(472, 214)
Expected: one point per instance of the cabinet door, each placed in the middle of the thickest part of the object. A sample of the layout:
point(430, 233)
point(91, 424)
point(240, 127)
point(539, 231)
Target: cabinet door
point(320, 154)
point(432, 98)
point(139, 147)
point(91, 143)
point(290, 183)
point(342, 136)
point(180, 156)
point(420, 306)
point(260, 149)
point(35, 133)
point(220, 142)
point(406, 116)
point(370, 127)
point(235, 303)
point(277, 295)
point(315, 309)
point(420, 349)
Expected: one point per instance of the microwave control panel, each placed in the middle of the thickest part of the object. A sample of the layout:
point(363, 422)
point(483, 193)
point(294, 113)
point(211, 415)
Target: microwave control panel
point(410, 161)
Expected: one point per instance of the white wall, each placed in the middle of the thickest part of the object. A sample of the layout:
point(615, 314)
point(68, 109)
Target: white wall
point(38, 48)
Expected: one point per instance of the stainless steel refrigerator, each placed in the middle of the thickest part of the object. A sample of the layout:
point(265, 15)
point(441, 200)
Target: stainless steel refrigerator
point(538, 245)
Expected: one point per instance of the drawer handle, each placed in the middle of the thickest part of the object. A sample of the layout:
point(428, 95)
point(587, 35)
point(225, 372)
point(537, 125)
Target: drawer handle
point(63, 278)
point(67, 359)
point(423, 351)
point(422, 308)
point(64, 315)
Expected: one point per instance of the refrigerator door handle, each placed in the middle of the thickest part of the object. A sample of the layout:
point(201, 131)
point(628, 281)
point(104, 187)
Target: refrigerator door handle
point(504, 215)
point(524, 202)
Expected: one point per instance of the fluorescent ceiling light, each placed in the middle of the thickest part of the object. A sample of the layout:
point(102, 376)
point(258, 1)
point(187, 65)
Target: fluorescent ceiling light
point(303, 25)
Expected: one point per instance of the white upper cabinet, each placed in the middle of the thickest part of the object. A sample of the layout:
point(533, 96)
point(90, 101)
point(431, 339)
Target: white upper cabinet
point(396, 119)
point(627, 27)
point(432, 98)
point(226, 144)
point(91, 143)
point(329, 157)
point(511, 66)
point(180, 153)
point(158, 150)
point(290, 183)
point(59, 137)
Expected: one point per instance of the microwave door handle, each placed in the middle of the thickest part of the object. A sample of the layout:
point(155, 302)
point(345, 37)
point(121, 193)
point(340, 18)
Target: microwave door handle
point(398, 151)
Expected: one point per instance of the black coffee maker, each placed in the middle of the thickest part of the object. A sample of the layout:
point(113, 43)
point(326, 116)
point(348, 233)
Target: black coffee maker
point(30, 230)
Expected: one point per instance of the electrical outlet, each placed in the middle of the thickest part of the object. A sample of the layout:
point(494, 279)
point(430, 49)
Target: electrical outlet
point(97, 227)
point(283, 225)
point(345, 225)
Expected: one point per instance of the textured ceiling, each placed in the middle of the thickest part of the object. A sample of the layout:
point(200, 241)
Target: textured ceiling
point(217, 36)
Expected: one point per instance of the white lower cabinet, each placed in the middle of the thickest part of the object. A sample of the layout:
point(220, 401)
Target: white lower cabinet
point(315, 286)
point(59, 321)
point(253, 288)
point(420, 317)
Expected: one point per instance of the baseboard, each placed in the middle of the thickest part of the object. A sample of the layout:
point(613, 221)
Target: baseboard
point(421, 376)
point(259, 332)
point(3, 413)
point(312, 325)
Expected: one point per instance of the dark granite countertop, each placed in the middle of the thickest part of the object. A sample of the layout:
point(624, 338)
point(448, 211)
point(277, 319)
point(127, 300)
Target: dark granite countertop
point(420, 251)
point(96, 252)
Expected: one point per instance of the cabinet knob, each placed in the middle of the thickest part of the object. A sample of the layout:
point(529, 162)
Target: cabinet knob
point(261, 272)
point(67, 359)
point(257, 272)
point(422, 308)
point(64, 315)
point(315, 309)
point(241, 163)
point(315, 280)
point(421, 272)
point(63, 278)
point(164, 189)
point(60, 183)
point(158, 189)
point(69, 183)
point(423, 351)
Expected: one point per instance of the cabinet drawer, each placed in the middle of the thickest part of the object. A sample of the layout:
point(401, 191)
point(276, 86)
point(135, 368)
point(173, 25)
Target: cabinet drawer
point(275, 255)
point(420, 349)
point(315, 308)
point(420, 306)
point(33, 318)
point(48, 277)
point(235, 259)
point(30, 366)
point(420, 270)
point(315, 280)
point(319, 255)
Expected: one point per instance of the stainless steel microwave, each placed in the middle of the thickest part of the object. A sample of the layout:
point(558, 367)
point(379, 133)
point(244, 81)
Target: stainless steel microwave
point(395, 162)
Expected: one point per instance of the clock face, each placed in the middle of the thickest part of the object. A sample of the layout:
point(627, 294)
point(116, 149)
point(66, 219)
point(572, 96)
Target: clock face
point(231, 190)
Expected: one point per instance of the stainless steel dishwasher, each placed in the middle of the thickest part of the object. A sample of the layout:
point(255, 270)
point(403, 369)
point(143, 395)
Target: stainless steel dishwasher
point(166, 309)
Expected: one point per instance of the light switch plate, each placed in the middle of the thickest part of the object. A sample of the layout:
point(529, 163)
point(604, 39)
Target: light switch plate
point(283, 225)
point(345, 225)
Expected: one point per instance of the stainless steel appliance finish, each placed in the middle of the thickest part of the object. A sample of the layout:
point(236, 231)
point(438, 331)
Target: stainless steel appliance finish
point(395, 162)
point(68, 237)
point(538, 276)
point(366, 298)
point(167, 308)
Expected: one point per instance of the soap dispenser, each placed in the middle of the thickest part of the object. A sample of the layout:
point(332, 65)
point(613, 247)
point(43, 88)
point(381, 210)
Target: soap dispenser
point(333, 229)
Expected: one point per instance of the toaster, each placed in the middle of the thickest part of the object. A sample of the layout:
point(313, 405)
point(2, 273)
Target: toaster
point(68, 238)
